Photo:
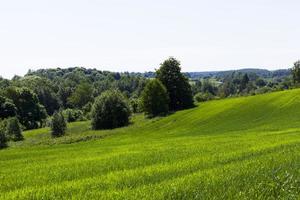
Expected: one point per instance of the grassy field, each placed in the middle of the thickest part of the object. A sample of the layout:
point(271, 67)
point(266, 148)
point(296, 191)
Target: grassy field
point(239, 148)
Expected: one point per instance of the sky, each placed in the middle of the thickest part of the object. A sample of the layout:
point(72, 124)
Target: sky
point(137, 35)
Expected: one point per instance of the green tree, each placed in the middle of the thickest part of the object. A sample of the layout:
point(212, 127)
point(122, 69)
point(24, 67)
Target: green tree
point(7, 108)
point(44, 90)
point(260, 82)
point(82, 95)
point(155, 99)
point(110, 110)
point(30, 112)
point(208, 87)
point(296, 72)
point(58, 125)
point(178, 87)
point(13, 129)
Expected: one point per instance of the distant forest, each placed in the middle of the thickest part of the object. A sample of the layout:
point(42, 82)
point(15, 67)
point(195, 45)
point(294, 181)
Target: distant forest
point(40, 93)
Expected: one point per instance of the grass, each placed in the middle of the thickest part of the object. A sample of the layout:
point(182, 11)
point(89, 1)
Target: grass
point(239, 148)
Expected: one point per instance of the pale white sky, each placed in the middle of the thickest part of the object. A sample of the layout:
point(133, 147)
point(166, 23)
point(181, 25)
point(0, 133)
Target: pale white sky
point(137, 35)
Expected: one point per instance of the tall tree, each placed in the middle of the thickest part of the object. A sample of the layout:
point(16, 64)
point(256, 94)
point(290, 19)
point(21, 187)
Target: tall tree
point(178, 87)
point(155, 99)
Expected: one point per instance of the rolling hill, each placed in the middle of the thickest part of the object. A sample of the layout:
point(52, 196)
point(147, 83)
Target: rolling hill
point(238, 148)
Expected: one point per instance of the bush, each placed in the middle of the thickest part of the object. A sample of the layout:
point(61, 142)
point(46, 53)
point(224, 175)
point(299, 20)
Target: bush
point(73, 115)
point(58, 125)
point(263, 90)
point(155, 99)
point(135, 105)
point(201, 97)
point(110, 110)
point(13, 129)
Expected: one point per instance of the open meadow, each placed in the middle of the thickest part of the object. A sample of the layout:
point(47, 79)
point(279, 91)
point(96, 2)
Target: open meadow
point(236, 148)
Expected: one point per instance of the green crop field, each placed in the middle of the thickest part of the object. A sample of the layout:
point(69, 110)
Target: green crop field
point(239, 148)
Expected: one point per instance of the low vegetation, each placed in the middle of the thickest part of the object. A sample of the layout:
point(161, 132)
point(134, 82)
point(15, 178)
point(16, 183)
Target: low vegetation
point(145, 138)
point(237, 148)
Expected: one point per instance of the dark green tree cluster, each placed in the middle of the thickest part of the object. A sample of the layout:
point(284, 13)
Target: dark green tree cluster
point(110, 110)
point(40, 93)
point(170, 90)
point(155, 99)
point(29, 111)
point(178, 87)
point(7, 108)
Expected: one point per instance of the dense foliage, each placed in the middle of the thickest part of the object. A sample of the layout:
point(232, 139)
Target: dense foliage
point(30, 112)
point(155, 99)
point(73, 115)
point(238, 148)
point(58, 125)
point(13, 129)
point(37, 95)
point(178, 87)
point(7, 108)
point(110, 110)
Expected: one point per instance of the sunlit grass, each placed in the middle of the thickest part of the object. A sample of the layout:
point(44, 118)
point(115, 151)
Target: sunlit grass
point(239, 148)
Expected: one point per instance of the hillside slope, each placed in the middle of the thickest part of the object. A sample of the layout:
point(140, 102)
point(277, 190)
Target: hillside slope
point(239, 148)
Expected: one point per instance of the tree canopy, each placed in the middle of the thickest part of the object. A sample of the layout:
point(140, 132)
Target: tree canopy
point(178, 87)
point(155, 99)
point(110, 110)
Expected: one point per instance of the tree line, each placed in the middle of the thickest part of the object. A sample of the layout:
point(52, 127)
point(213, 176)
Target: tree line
point(54, 97)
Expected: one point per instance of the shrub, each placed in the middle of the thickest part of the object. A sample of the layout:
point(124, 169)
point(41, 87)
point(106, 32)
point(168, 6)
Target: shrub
point(135, 105)
point(73, 115)
point(201, 97)
point(155, 99)
point(110, 110)
point(13, 129)
point(58, 125)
